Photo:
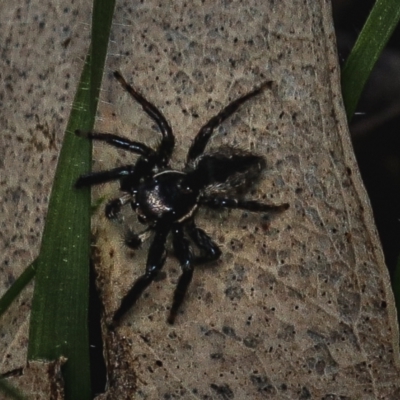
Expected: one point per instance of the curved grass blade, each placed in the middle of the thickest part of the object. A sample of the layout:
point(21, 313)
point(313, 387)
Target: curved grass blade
point(16, 288)
point(60, 305)
point(380, 24)
point(10, 391)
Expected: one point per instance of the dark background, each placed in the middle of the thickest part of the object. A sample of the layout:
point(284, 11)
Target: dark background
point(375, 129)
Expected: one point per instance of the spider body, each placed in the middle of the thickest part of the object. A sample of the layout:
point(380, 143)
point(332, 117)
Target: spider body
point(165, 196)
point(166, 200)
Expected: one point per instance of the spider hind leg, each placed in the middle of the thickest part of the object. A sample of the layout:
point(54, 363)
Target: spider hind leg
point(249, 205)
point(184, 254)
point(155, 261)
point(209, 250)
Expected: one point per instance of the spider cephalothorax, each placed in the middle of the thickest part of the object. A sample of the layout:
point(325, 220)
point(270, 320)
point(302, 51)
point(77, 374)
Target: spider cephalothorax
point(166, 199)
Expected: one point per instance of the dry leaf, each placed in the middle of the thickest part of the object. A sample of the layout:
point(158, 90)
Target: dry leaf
point(299, 305)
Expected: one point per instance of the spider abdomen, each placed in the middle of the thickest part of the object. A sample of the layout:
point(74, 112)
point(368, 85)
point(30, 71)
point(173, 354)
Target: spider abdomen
point(227, 169)
point(164, 196)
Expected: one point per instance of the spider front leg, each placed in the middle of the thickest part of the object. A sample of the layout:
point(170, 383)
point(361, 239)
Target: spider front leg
point(155, 262)
point(184, 255)
point(120, 173)
point(97, 178)
point(168, 141)
point(129, 177)
point(119, 142)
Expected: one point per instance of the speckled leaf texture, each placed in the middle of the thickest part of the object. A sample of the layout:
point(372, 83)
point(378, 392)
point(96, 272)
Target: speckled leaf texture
point(299, 306)
point(43, 47)
point(40, 380)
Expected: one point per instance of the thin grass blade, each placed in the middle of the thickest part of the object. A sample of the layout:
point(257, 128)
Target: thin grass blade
point(380, 24)
point(60, 306)
point(16, 288)
point(8, 391)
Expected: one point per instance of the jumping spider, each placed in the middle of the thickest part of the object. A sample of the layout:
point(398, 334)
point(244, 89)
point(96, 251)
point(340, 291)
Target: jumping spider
point(166, 200)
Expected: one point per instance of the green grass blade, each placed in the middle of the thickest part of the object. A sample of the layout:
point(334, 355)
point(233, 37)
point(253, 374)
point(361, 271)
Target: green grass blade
point(16, 288)
point(59, 310)
point(8, 391)
point(380, 24)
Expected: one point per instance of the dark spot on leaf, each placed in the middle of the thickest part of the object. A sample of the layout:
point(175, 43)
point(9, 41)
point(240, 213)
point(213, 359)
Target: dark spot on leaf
point(227, 330)
point(234, 292)
point(223, 391)
point(263, 384)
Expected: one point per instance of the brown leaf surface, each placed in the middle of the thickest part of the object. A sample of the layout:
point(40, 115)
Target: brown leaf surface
point(299, 305)
point(42, 53)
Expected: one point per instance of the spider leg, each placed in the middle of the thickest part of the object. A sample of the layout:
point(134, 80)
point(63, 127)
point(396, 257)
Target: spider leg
point(119, 142)
point(209, 249)
point(155, 261)
point(200, 141)
point(249, 205)
point(96, 178)
point(128, 175)
point(184, 254)
point(167, 144)
point(143, 169)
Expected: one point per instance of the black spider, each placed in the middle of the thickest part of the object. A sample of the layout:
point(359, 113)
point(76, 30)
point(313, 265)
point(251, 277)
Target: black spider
point(166, 199)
